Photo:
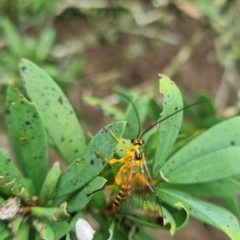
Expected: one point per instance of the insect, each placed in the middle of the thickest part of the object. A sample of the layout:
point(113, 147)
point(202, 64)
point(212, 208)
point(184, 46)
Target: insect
point(128, 177)
point(133, 177)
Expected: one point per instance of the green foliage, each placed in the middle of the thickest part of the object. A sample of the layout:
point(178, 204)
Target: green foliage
point(42, 199)
point(28, 31)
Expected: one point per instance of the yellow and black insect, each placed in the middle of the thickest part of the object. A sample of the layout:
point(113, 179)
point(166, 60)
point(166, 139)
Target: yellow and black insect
point(134, 178)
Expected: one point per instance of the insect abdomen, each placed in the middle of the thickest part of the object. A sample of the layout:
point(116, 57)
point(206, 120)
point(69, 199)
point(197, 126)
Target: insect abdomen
point(121, 196)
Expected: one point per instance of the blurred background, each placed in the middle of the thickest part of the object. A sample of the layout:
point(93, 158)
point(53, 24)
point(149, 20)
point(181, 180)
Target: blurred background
point(91, 47)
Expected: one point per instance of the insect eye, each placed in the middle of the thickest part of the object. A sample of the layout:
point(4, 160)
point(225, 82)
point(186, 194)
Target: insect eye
point(133, 141)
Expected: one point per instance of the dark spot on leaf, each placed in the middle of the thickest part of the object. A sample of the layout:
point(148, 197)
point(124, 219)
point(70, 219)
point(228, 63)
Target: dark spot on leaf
point(92, 162)
point(22, 102)
point(103, 162)
point(35, 115)
point(46, 88)
point(208, 209)
point(70, 140)
point(53, 88)
point(176, 108)
point(75, 151)
point(23, 68)
point(28, 123)
point(71, 112)
point(60, 100)
point(7, 174)
point(232, 143)
point(62, 139)
point(228, 226)
point(8, 161)
point(7, 111)
point(33, 137)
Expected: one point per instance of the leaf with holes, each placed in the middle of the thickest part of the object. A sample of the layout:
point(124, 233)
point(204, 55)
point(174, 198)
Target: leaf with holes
point(56, 111)
point(27, 135)
point(8, 170)
point(81, 171)
point(170, 127)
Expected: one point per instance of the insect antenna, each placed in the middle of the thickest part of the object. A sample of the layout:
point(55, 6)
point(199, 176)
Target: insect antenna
point(167, 117)
point(135, 110)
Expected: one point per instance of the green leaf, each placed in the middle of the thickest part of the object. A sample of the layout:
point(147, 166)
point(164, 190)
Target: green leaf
point(80, 200)
point(81, 171)
point(49, 187)
point(181, 217)
point(225, 162)
point(27, 135)
point(51, 214)
point(104, 107)
point(15, 224)
point(4, 231)
point(132, 128)
point(44, 229)
point(23, 232)
point(13, 38)
point(219, 188)
point(232, 204)
point(8, 170)
point(170, 127)
point(210, 141)
point(204, 211)
point(60, 229)
point(57, 113)
point(45, 43)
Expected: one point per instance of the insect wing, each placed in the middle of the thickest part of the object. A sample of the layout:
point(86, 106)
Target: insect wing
point(145, 196)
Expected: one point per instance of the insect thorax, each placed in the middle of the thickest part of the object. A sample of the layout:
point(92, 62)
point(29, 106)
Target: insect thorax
point(138, 142)
point(138, 153)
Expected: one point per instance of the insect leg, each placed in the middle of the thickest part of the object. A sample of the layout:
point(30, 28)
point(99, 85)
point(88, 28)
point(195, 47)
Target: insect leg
point(110, 161)
point(119, 141)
